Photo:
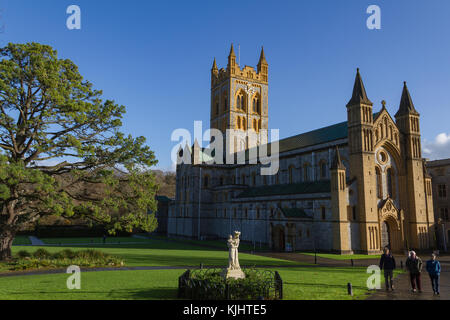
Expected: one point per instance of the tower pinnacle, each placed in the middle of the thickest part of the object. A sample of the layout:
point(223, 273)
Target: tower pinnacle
point(359, 92)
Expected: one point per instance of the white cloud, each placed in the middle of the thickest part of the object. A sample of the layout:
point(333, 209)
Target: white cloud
point(437, 149)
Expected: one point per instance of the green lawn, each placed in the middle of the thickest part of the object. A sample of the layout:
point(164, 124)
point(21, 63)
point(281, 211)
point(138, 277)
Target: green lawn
point(301, 283)
point(163, 253)
point(220, 244)
point(21, 240)
point(306, 282)
point(343, 256)
point(115, 240)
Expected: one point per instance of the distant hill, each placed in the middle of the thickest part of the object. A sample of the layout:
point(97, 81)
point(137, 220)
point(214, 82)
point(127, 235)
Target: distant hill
point(166, 181)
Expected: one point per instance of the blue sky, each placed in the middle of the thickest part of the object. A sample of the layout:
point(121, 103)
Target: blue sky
point(155, 57)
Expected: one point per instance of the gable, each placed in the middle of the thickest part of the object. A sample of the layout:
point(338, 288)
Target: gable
point(385, 129)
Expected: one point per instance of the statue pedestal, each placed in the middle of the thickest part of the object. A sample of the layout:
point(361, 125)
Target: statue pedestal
point(233, 273)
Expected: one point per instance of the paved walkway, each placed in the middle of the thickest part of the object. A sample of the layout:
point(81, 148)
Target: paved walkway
point(403, 287)
point(324, 262)
point(35, 241)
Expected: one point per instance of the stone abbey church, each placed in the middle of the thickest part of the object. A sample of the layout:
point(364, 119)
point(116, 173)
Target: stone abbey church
point(355, 186)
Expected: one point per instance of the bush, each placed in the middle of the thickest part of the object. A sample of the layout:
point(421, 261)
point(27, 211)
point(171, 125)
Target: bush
point(41, 254)
point(23, 254)
point(210, 284)
point(41, 258)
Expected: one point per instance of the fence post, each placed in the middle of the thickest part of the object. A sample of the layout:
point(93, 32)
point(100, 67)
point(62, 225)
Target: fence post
point(349, 289)
point(352, 262)
point(227, 291)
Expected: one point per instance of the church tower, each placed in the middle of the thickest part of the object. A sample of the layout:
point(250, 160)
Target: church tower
point(239, 101)
point(417, 214)
point(362, 164)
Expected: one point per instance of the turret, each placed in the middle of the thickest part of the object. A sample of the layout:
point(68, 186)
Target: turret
point(231, 67)
point(263, 66)
point(339, 206)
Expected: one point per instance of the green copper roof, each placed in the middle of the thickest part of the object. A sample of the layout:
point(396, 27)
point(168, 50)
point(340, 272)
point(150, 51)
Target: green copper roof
point(286, 189)
point(322, 135)
point(295, 213)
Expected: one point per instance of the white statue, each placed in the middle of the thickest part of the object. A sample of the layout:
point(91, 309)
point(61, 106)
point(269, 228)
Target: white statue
point(234, 269)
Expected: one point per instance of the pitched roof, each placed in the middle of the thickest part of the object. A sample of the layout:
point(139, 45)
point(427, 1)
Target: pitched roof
point(359, 92)
point(295, 213)
point(406, 104)
point(286, 189)
point(163, 199)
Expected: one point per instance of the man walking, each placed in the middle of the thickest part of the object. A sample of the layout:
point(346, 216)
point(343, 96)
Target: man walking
point(434, 270)
point(387, 263)
point(414, 266)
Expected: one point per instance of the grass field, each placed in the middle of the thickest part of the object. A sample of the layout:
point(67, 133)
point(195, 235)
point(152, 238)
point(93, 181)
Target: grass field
point(220, 244)
point(114, 240)
point(301, 283)
point(342, 257)
point(163, 253)
point(21, 240)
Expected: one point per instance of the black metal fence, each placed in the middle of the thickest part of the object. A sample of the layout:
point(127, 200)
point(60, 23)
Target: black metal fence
point(211, 284)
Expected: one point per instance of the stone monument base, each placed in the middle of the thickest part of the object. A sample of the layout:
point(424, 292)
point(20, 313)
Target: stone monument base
point(233, 273)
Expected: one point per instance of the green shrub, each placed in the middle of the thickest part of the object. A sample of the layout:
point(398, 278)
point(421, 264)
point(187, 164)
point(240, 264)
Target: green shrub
point(41, 254)
point(210, 284)
point(23, 254)
point(41, 258)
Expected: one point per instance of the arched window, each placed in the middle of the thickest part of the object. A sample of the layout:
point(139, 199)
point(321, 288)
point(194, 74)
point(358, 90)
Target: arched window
point(244, 127)
point(225, 101)
point(379, 185)
point(255, 125)
point(323, 213)
point(306, 172)
point(323, 169)
point(253, 179)
point(390, 182)
point(238, 122)
point(205, 181)
point(291, 174)
point(254, 104)
point(243, 179)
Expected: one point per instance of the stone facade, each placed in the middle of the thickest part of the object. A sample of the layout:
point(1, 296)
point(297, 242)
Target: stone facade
point(440, 173)
point(355, 186)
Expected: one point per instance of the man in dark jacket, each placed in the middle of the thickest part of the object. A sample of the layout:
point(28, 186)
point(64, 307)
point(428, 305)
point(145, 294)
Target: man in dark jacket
point(434, 270)
point(387, 263)
point(414, 266)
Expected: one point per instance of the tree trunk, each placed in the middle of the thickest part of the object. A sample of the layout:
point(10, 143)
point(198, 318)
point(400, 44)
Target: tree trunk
point(6, 240)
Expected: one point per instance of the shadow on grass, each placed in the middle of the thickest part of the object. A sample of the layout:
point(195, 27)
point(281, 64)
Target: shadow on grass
point(324, 285)
point(145, 294)
point(161, 245)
